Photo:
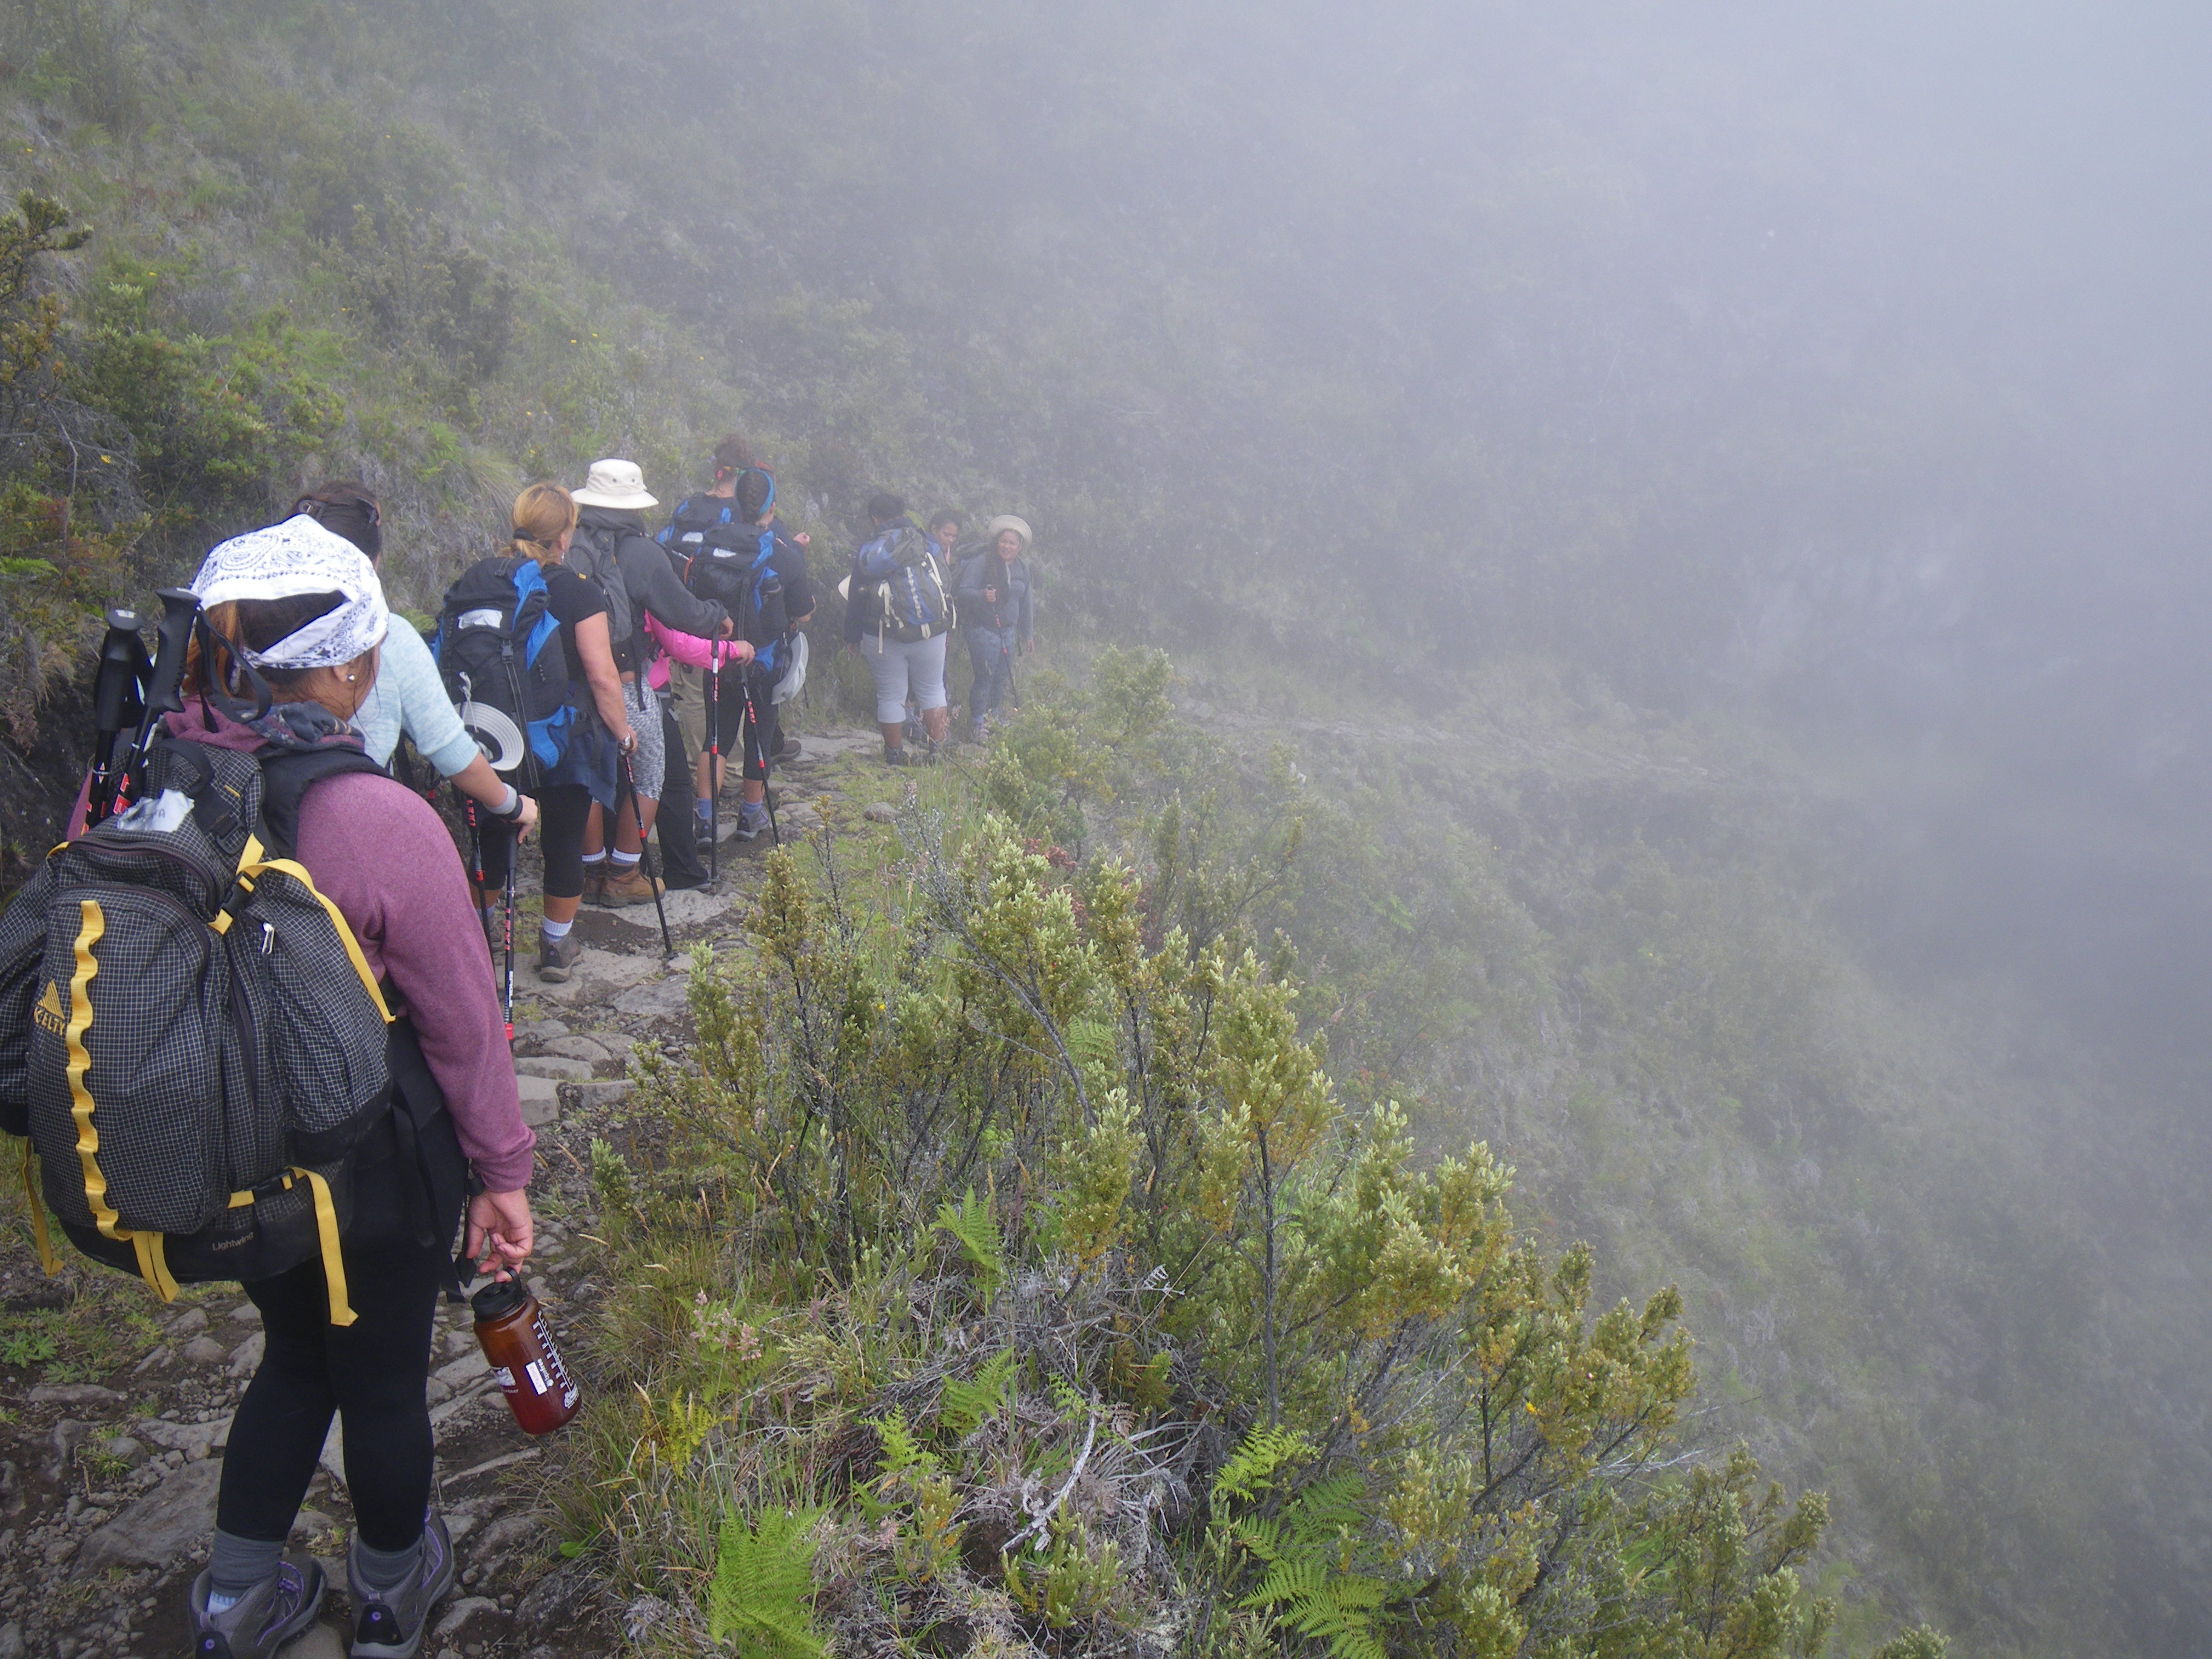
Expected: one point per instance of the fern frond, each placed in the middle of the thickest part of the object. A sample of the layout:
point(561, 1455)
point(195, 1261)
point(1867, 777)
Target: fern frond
point(1325, 1508)
point(1252, 1467)
point(1297, 1582)
point(1264, 1538)
point(975, 1231)
point(902, 1451)
point(764, 1575)
point(1337, 1611)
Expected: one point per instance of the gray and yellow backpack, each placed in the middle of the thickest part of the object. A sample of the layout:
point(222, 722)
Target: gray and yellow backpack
point(190, 1036)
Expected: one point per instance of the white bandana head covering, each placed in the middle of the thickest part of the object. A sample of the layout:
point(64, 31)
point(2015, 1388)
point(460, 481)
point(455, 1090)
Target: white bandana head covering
point(300, 556)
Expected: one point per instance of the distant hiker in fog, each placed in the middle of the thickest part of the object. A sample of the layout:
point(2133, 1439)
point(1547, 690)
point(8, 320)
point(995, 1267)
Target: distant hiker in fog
point(998, 613)
point(944, 537)
point(898, 608)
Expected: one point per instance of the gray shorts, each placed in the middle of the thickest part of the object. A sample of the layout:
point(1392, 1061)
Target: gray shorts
point(649, 764)
point(900, 665)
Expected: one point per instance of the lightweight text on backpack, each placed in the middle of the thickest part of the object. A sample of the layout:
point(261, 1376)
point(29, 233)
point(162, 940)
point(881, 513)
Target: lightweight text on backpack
point(731, 563)
point(591, 552)
point(190, 1036)
point(913, 601)
point(498, 643)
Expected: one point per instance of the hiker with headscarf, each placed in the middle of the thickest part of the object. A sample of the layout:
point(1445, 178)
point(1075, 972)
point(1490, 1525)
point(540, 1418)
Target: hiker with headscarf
point(409, 699)
point(998, 613)
point(304, 608)
point(611, 546)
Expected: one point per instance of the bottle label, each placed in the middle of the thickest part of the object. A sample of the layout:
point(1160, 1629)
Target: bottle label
point(537, 1382)
point(504, 1378)
point(558, 1380)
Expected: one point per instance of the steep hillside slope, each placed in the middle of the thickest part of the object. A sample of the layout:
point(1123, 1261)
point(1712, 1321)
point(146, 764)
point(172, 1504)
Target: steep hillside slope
point(445, 248)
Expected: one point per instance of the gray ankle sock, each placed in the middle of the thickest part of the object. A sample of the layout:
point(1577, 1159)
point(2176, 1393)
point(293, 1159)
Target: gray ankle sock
point(238, 1563)
point(385, 1570)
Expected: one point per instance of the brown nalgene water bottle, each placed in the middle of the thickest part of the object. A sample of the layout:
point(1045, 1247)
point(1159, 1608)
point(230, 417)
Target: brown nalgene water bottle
point(523, 1361)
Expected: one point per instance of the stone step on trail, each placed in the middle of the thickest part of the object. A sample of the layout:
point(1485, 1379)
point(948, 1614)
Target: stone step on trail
point(541, 1100)
point(599, 976)
point(553, 1067)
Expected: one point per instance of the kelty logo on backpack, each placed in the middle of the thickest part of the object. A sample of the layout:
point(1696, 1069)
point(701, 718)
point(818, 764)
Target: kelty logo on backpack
point(49, 1013)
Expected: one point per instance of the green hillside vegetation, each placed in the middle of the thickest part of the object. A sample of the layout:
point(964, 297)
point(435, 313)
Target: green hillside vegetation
point(1454, 797)
point(1012, 1275)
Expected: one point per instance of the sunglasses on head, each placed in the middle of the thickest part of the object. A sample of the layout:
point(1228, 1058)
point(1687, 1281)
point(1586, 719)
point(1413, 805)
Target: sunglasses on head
point(314, 507)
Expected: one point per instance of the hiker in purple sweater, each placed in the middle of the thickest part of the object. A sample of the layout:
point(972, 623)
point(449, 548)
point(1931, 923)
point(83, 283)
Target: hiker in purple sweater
point(305, 607)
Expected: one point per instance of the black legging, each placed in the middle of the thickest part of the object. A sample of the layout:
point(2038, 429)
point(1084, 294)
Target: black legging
point(563, 810)
point(758, 747)
point(373, 1371)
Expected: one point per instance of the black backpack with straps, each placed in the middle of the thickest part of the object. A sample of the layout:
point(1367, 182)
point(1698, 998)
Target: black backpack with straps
point(593, 552)
point(729, 562)
point(190, 1036)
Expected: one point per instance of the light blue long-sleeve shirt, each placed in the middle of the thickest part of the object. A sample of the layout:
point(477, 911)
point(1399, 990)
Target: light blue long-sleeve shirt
point(409, 696)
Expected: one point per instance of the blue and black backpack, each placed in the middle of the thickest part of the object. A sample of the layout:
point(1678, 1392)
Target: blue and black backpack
point(498, 643)
point(911, 600)
point(722, 558)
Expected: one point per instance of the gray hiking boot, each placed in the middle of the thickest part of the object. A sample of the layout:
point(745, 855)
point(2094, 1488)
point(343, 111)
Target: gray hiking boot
point(894, 754)
point(389, 1624)
point(555, 957)
point(275, 1611)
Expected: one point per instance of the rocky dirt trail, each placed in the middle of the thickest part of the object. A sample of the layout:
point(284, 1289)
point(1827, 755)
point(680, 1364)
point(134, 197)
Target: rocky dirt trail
point(114, 1409)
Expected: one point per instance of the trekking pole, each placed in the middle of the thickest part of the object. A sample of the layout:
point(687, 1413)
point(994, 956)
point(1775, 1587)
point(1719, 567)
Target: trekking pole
point(119, 702)
point(476, 844)
point(513, 848)
point(1006, 653)
point(759, 748)
point(645, 856)
point(171, 636)
point(715, 763)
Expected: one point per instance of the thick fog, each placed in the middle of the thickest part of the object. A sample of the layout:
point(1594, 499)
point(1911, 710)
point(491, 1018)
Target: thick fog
point(1821, 390)
point(1850, 362)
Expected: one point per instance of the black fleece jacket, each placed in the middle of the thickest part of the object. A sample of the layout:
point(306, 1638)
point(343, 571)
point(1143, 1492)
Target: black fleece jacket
point(654, 585)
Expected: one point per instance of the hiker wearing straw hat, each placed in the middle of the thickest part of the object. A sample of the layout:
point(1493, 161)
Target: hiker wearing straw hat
point(612, 546)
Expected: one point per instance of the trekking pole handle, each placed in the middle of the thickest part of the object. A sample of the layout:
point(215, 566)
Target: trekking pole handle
point(173, 636)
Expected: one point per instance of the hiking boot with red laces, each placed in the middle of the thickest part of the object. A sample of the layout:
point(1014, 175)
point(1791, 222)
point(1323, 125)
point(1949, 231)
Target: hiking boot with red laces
point(262, 1620)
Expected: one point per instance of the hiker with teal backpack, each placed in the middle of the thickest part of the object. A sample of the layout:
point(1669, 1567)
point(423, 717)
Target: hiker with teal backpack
point(728, 547)
point(998, 614)
point(587, 771)
point(313, 1132)
point(898, 611)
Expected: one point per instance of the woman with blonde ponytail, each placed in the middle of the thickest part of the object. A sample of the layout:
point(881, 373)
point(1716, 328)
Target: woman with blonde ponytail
point(543, 521)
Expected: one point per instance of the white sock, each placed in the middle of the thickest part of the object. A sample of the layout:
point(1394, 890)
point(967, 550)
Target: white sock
point(557, 931)
point(599, 857)
point(625, 861)
point(220, 1603)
